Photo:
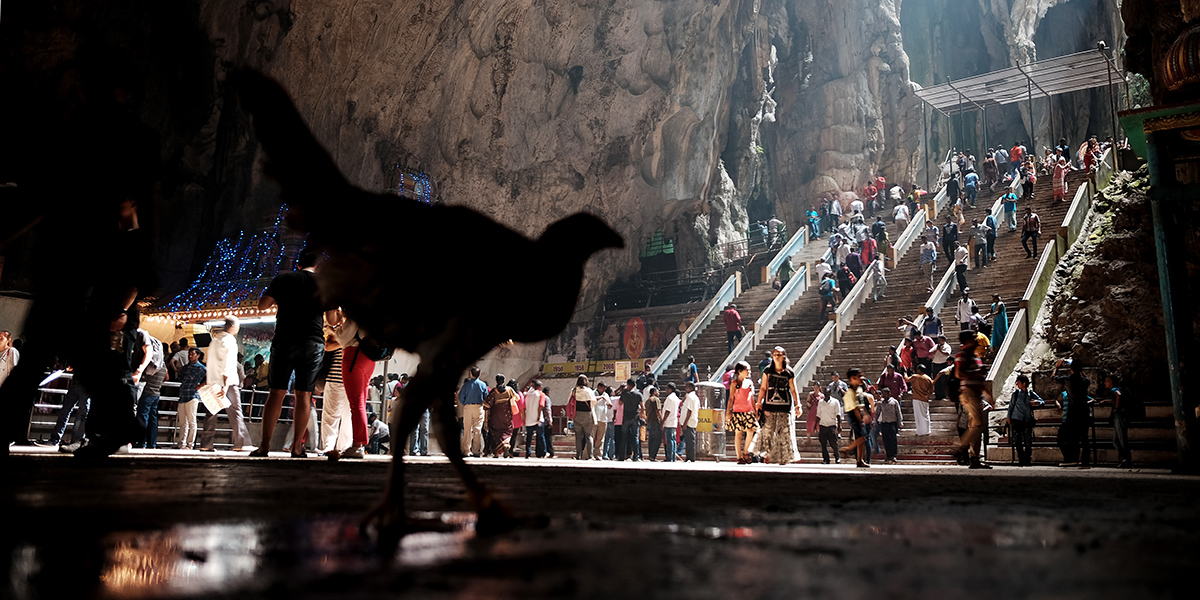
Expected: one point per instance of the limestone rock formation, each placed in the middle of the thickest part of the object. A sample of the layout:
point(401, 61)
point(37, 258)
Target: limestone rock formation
point(687, 116)
point(947, 38)
point(1104, 305)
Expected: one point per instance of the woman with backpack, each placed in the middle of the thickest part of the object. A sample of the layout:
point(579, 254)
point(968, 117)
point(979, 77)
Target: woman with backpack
point(778, 400)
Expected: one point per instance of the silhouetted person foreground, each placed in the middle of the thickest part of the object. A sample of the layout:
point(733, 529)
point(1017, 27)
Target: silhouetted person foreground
point(450, 322)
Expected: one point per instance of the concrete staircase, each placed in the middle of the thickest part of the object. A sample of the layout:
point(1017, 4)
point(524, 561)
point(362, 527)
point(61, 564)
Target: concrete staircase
point(710, 347)
point(800, 325)
point(1009, 275)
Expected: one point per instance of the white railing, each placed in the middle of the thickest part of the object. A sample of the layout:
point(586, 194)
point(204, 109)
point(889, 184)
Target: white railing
point(854, 300)
point(806, 368)
point(667, 357)
point(724, 296)
point(740, 352)
point(787, 296)
point(788, 250)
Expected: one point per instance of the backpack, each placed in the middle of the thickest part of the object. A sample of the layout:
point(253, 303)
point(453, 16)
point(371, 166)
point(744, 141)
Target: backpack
point(1133, 406)
point(685, 372)
point(826, 287)
point(372, 350)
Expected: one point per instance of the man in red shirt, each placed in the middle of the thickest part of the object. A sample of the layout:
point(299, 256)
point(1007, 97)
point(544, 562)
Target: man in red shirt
point(733, 325)
point(1014, 158)
point(924, 346)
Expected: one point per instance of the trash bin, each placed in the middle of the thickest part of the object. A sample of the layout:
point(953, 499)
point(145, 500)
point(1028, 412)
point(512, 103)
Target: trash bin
point(710, 432)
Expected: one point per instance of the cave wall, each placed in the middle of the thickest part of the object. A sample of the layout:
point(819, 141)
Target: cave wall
point(961, 38)
point(690, 116)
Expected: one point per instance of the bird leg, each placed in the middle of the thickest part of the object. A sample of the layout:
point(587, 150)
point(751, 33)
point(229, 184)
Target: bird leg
point(388, 516)
point(492, 516)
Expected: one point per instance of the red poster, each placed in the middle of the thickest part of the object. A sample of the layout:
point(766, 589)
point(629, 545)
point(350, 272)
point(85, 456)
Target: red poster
point(635, 338)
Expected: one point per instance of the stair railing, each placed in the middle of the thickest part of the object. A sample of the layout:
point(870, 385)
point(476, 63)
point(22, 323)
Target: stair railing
point(1020, 330)
point(793, 245)
point(822, 346)
point(679, 344)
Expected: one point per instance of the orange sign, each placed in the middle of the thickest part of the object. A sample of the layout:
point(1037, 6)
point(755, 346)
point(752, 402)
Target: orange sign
point(635, 338)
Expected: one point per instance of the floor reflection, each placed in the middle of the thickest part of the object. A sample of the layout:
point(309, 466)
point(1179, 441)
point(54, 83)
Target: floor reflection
point(196, 559)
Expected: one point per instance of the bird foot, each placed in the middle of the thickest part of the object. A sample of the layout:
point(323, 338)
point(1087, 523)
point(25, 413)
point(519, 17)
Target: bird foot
point(493, 517)
point(389, 522)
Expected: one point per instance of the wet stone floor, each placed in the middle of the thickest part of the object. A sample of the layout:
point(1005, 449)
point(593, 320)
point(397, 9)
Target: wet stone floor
point(151, 526)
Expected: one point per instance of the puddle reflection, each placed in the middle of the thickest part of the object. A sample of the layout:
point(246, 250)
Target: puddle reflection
point(198, 559)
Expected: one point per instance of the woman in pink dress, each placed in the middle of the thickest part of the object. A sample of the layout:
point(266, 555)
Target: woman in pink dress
point(1060, 180)
point(814, 397)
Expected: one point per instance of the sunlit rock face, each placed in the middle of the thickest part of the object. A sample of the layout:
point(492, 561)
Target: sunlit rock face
point(947, 38)
point(689, 116)
point(653, 114)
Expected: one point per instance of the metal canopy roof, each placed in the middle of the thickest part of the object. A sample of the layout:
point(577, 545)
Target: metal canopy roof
point(1070, 73)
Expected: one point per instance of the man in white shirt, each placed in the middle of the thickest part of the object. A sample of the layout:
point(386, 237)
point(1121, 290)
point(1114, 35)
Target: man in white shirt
point(9, 356)
point(378, 433)
point(942, 354)
point(690, 417)
point(821, 268)
point(900, 216)
point(222, 373)
point(961, 258)
point(828, 411)
point(601, 409)
point(531, 415)
point(670, 421)
point(856, 207)
point(179, 359)
point(966, 308)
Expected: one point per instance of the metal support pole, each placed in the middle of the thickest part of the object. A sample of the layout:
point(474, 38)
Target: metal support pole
point(925, 133)
point(962, 134)
point(985, 140)
point(1169, 227)
point(1112, 99)
point(1050, 113)
point(1032, 139)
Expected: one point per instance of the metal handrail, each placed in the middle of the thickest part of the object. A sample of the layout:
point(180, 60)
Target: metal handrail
point(740, 351)
point(668, 356)
point(810, 361)
point(724, 295)
point(794, 245)
point(783, 301)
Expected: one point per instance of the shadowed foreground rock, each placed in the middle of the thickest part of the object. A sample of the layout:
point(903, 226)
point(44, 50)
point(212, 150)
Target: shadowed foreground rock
point(147, 527)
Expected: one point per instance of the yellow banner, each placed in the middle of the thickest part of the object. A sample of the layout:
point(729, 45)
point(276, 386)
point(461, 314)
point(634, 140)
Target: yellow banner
point(705, 416)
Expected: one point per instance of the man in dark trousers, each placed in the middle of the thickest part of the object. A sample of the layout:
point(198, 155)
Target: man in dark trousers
point(1074, 435)
point(629, 405)
point(733, 325)
point(298, 346)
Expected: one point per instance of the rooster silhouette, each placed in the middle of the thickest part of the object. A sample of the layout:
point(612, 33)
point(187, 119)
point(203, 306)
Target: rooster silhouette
point(440, 309)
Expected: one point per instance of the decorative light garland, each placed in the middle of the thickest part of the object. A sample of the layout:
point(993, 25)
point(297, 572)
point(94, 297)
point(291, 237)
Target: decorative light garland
point(240, 268)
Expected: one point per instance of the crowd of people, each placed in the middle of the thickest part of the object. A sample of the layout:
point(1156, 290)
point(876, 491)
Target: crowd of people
point(317, 349)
